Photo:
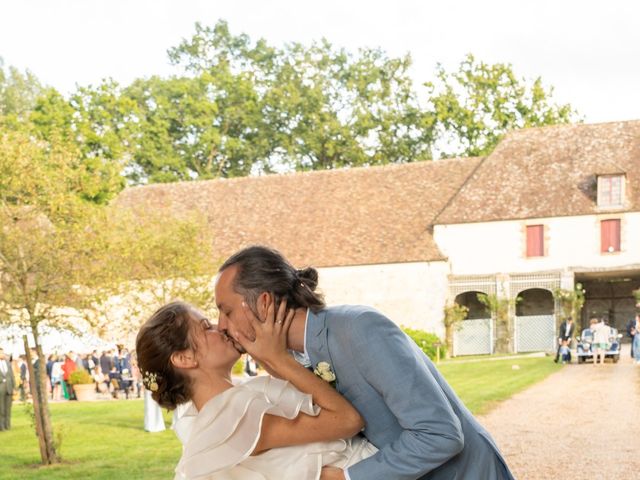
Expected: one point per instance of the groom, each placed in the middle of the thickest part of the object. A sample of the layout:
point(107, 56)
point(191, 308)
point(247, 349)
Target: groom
point(422, 429)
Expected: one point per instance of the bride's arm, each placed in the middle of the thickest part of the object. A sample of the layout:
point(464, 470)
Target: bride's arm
point(337, 418)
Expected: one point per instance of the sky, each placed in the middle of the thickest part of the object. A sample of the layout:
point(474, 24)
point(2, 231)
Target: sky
point(589, 51)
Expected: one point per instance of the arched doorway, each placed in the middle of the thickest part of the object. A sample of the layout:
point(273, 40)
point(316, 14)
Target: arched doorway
point(535, 322)
point(475, 335)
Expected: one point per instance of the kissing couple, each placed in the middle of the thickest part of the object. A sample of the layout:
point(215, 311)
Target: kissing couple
point(375, 409)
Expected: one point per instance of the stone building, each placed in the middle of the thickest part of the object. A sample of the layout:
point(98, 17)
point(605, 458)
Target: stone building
point(549, 207)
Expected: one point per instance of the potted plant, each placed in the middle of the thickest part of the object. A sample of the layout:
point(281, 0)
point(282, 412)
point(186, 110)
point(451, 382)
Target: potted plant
point(83, 385)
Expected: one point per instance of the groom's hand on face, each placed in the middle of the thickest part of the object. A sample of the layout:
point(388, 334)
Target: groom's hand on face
point(256, 320)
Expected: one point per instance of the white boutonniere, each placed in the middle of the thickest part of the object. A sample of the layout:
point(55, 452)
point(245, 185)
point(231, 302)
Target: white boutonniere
point(324, 371)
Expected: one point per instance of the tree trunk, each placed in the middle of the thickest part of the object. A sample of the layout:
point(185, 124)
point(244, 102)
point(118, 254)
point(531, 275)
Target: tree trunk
point(38, 387)
point(448, 335)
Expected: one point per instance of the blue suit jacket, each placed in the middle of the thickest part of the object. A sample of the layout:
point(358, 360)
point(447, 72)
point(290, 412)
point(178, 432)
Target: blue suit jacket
point(412, 415)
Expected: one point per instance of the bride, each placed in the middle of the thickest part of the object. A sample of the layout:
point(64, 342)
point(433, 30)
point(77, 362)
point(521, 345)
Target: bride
point(266, 428)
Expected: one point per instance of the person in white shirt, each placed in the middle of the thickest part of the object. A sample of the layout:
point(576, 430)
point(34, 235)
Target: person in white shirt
point(601, 334)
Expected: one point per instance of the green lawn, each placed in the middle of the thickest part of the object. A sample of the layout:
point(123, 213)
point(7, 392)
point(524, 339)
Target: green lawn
point(100, 440)
point(106, 440)
point(481, 385)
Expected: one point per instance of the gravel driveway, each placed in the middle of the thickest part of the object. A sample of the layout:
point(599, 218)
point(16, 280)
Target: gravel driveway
point(582, 422)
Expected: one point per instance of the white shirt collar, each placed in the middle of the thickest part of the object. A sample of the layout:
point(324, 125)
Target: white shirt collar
point(303, 357)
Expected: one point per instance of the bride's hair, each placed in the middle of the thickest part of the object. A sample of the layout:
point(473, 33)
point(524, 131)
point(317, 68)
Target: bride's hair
point(167, 331)
point(263, 269)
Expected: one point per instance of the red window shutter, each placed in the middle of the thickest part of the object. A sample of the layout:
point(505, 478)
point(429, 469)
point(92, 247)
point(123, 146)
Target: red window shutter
point(610, 235)
point(535, 240)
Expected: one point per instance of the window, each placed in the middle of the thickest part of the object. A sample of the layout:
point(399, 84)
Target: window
point(610, 190)
point(610, 235)
point(535, 240)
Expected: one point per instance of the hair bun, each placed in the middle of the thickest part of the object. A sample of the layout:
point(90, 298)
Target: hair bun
point(309, 276)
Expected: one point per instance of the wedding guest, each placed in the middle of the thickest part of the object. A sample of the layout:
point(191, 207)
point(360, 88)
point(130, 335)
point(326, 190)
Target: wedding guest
point(94, 359)
point(23, 384)
point(76, 357)
point(565, 333)
point(634, 331)
point(136, 376)
point(50, 362)
point(601, 334)
point(250, 366)
point(56, 379)
point(125, 360)
point(15, 368)
point(68, 367)
point(99, 378)
point(7, 385)
point(633, 328)
point(115, 382)
point(106, 362)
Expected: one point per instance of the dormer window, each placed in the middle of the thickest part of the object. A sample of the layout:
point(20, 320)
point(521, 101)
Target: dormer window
point(610, 190)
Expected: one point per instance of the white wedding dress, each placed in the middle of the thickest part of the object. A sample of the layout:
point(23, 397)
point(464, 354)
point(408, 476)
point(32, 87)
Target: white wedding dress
point(218, 440)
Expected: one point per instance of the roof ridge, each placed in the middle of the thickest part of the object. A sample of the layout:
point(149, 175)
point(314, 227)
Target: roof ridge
point(333, 171)
point(559, 126)
point(466, 180)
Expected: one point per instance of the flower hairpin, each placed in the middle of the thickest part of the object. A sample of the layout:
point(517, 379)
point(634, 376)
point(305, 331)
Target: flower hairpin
point(150, 381)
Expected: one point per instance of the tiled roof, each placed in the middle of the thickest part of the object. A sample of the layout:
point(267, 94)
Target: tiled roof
point(352, 216)
point(549, 172)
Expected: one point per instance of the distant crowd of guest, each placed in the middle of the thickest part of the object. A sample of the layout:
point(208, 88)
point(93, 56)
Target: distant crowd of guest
point(114, 373)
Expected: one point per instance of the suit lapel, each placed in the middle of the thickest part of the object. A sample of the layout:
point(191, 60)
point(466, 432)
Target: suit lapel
point(318, 343)
point(317, 347)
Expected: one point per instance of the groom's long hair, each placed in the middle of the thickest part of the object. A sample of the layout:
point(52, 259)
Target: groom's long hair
point(263, 269)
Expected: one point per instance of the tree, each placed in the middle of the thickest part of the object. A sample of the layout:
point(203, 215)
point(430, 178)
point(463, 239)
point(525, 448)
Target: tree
point(454, 314)
point(62, 258)
point(148, 261)
point(18, 91)
point(208, 126)
point(501, 309)
point(44, 245)
point(478, 104)
point(98, 122)
point(571, 302)
point(340, 109)
point(315, 107)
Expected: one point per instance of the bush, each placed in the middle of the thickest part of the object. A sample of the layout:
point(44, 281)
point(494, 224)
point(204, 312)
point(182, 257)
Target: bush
point(80, 377)
point(238, 367)
point(425, 341)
